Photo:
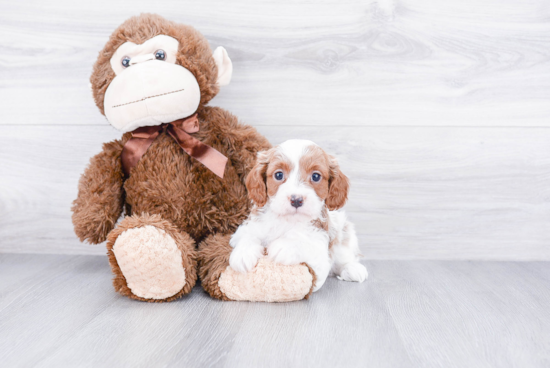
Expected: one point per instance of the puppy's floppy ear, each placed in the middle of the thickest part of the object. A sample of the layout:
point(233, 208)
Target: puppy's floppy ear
point(255, 181)
point(338, 186)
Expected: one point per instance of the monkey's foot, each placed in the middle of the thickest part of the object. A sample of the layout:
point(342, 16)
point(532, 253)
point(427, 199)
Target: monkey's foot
point(151, 260)
point(266, 282)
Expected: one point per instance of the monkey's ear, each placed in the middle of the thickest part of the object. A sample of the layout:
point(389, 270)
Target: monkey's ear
point(225, 67)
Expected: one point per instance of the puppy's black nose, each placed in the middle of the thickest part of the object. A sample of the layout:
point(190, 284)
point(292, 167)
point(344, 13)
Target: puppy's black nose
point(296, 201)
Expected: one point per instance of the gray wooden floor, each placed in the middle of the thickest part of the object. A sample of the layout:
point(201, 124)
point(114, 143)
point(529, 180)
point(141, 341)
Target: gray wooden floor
point(60, 311)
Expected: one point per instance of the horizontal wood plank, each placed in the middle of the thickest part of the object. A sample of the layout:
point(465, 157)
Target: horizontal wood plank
point(447, 193)
point(356, 63)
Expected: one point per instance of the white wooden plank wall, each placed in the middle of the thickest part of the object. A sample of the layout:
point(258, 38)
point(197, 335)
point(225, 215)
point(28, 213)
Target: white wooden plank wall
point(438, 111)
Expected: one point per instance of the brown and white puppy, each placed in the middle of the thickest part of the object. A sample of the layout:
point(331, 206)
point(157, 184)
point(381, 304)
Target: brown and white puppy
point(297, 190)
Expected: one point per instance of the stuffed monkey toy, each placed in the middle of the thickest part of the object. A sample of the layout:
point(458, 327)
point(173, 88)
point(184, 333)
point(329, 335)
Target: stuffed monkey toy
point(178, 172)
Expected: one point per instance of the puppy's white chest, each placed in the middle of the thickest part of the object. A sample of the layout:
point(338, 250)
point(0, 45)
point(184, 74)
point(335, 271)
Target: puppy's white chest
point(293, 233)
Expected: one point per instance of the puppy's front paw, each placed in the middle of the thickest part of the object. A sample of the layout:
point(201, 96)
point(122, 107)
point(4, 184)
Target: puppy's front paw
point(244, 258)
point(353, 271)
point(283, 252)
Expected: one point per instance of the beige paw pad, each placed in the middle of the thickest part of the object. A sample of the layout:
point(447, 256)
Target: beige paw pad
point(267, 282)
point(150, 261)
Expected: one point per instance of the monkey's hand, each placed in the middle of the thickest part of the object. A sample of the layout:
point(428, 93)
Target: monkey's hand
point(100, 195)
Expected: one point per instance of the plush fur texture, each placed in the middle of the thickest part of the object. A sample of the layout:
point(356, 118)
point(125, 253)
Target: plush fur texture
point(185, 244)
point(183, 195)
point(150, 261)
point(269, 282)
point(100, 195)
point(213, 258)
point(168, 182)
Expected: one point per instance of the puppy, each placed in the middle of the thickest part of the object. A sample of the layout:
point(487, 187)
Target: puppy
point(296, 189)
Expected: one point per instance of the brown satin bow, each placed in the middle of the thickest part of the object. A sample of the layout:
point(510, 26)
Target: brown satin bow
point(143, 137)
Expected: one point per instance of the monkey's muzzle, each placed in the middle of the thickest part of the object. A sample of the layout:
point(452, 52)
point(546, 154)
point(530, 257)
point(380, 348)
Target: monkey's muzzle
point(151, 93)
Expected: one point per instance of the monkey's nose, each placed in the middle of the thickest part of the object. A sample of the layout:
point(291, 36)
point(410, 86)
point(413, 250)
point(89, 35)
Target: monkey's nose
point(296, 201)
point(141, 58)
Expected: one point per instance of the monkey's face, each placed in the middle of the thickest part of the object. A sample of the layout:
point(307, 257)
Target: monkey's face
point(157, 81)
point(149, 87)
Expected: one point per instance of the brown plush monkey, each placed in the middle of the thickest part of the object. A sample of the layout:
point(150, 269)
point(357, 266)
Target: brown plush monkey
point(178, 171)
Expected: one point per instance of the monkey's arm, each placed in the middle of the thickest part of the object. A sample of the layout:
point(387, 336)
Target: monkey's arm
point(243, 141)
point(100, 195)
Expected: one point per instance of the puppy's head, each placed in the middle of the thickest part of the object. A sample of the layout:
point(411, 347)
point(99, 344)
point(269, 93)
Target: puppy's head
point(297, 178)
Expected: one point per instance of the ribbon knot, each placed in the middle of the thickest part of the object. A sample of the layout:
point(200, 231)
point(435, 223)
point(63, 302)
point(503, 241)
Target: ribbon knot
point(143, 137)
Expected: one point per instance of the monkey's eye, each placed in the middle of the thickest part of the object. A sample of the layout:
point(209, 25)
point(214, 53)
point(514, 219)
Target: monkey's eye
point(316, 177)
point(279, 175)
point(125, 61)
point(160, 55)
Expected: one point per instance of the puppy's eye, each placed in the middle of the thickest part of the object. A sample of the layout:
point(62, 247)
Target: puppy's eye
point(315, 177)
point(160, 55)
point(125, 61)
point(279, 175)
